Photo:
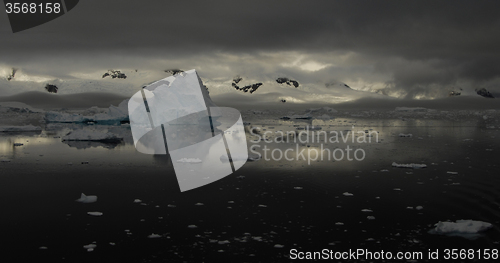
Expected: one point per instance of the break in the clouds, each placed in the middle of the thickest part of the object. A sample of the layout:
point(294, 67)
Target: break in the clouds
point(417, 49)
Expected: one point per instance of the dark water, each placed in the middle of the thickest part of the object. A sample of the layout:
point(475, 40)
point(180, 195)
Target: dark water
point(256, 214)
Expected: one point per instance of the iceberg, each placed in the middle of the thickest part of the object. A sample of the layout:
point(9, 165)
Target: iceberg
point(113, 116)
point(469, 229)
point(86, 199)
point(91, 135)
point(411, 165)
point(95, 213)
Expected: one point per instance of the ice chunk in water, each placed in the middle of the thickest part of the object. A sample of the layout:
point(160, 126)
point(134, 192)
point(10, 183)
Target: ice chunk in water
point(95, 213)
point(464, 228)
point(411, 165)
point(87, 199)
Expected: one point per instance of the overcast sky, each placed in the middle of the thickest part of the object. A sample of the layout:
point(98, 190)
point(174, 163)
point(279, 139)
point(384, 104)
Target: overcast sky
point(413, 48)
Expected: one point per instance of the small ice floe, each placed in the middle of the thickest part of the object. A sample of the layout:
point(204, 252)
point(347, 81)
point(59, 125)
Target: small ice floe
point(91, 135)
point(223, 242)
point(278, 246)
point(153, 235)
point(26, 128)
point(411, 165)
point(339, 224)
point(419, 207)
point(171, 206)
point(86, 199)
point(43, 248)
point(240, 157)
point(397, 189)
point(451, 172)
point(406, 135)
point(297, 188)
point(90, 247)
point(137, 200)
point(198, 204)
point(94, 213)
point(262, 205)
point(189, 160)
point(370, 217)
point(192, 226)
point(366, 210)
point(384, 170)
point(347, 194)
point(463, 228)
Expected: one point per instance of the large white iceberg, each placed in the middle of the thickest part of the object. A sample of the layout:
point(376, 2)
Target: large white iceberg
point(464, 228)
point(113, 115)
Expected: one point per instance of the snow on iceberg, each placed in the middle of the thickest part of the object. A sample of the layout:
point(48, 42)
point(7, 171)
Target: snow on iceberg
point(87, 199)
point(411, 165)
point(91, 135)
point(26, 128)
point(113, 115)
point(469, 229)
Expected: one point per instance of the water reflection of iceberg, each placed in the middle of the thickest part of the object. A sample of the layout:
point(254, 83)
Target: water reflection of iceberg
point(93, 144)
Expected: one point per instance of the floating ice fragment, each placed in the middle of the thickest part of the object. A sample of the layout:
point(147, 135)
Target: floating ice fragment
point(339, 224)
point(370, 217)
point(192, 226)
point(297, 188)
point(198, 204)
point(43, 248)
point(419, 207)
point(95, 213)
point(347, 194)
point(452, 172)
point(411, 165)
point(90, 247)
point(189, 160)
point(278, 246)
point(262, 205)
point(464, 228)
point(154, 236)
point(86, 199)
point(366, 210)
point(137, 200)
point(223, 242)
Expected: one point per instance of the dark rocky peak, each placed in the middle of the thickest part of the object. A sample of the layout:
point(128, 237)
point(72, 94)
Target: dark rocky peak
point(287, 81)
point(114, 74)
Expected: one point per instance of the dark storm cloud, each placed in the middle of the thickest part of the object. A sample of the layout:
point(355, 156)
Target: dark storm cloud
point(411, 45)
